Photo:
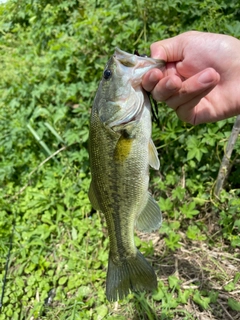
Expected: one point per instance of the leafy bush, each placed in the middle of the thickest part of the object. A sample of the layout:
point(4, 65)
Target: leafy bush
point(52, 56)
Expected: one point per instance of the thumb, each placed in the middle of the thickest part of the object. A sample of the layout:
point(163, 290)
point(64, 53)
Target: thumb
point(170, 50)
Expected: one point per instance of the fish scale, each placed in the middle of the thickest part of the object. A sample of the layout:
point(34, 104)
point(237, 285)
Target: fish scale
point(121, 149)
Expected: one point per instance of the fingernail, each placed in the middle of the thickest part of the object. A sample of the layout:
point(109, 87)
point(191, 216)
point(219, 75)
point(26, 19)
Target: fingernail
point(205, 78)
point(170, 85)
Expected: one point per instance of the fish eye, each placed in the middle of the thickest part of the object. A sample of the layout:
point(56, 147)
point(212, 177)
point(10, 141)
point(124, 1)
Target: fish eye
point(107, 74)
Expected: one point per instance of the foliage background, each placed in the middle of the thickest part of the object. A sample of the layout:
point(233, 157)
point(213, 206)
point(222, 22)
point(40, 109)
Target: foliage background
point(52, 54)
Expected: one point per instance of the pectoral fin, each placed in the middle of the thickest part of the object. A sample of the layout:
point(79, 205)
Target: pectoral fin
point(150, 219)
point(92, 197)
point(153, 156)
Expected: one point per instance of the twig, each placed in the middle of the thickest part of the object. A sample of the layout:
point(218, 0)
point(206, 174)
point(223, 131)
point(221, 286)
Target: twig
point(215, 254)
point(186, 285)
point(176, 267)
point(226, 165)
point(183, 178)
point(189, 287)
point(194, 308)
point(236, 317)
point(225, 310)
point(234, 292)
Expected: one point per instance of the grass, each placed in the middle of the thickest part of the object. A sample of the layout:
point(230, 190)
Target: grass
point(61, 275)
point(58, 261)
point(52, 59)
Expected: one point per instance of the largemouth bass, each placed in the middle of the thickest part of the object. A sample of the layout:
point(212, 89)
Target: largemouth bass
point(121, 151)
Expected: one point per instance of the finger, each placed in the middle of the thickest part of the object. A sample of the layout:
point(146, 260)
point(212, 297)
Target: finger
point(194, 88)
point(169, 50)
point(172, 49)
point(197, 110)
point(167, 82)
point(166, 88)
point(151, 78)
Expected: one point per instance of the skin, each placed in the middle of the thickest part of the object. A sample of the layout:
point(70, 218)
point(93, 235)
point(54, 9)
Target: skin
point(201, 81)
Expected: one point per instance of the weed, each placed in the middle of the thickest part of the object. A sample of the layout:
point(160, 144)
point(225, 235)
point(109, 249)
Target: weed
point(52, 57)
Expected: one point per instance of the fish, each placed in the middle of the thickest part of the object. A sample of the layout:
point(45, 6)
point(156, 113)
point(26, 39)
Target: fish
point(120, 152)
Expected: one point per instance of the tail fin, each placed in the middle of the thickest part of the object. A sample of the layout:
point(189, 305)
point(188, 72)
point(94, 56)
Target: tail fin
point(133, 274)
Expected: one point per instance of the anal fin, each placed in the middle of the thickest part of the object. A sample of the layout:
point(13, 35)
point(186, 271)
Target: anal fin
point(150, 219)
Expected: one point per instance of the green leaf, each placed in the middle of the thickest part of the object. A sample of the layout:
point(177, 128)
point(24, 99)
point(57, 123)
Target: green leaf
point(178, 193)
point(158, 295)
point(194, 233)
point(165, 204)
point(189, 210)
point(200, 300)
point(74, 233)
point(62, 280)
point(172, 241)
point(174, 282)
point(230, 286)
point(84, 291)
point(237, 224)
point(183, 296)
point(53, 54)
point(101, 312)
point(234, 304)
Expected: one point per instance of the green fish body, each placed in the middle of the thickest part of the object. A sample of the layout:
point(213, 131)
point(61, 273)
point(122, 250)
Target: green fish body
point(121, 151)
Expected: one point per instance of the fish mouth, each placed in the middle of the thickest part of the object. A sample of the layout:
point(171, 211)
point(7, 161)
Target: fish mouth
point(132, 67)
point(139, 64)
point(125, 58)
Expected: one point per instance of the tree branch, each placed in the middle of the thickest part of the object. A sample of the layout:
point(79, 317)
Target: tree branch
point(226, 161)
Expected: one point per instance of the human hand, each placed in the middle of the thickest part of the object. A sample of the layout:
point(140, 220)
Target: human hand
point(201, 81)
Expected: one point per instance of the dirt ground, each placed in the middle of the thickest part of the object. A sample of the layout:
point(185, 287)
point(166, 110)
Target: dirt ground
point(199, 267)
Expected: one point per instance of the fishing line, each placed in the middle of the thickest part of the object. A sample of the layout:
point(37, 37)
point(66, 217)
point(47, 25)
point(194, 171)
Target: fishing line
point(7, 267)
point(154, 109)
